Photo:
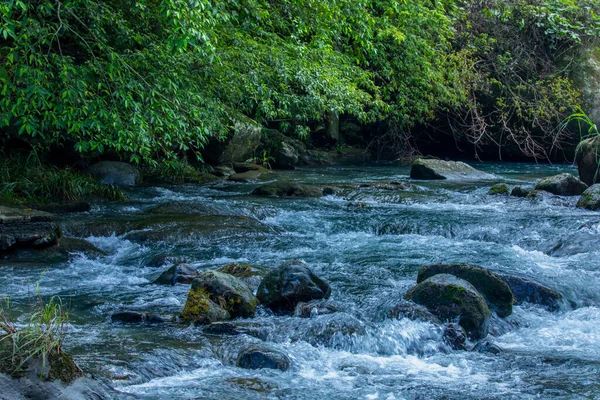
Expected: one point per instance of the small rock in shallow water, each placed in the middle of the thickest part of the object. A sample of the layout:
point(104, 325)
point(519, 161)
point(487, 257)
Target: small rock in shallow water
point(562, 185)
point(181, 273)
point(263, 356)
point(455, 336)
point(289, 284)
point(316, 307)
point(486, 347)
point(127, 316)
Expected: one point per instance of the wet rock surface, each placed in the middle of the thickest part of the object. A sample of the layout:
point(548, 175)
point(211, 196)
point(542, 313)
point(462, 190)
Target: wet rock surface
point(427, 169)
point(590, 199)
point(562, 185)
point(27, 228)
point(527, 290)
point(115, 173)
point(263, 356)
point(181, 273)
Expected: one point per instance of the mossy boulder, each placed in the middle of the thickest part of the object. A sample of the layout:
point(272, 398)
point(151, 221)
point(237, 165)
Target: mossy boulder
point(495, 291)
point(588, 160)
point(499, 188)
point(562, 185)
point(288, 189)
point(518, 191)
point(529, 291)
point(228, 291)
point(258, 356)
point(201, 310)
point(590, 199)
point(243, 141)
point(289, 284)
point(180, 273)
point(250, 275)
point(431, 169)
point(450, 298)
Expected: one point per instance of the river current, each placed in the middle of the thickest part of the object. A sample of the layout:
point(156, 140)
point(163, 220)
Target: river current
point(369, 243)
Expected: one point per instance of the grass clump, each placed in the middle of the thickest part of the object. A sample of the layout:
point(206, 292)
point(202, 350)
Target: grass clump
point(25, 180)
point(176, 172)
point(37, 344)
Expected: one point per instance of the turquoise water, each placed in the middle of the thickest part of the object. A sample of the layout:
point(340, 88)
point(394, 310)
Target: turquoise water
point(371, 256)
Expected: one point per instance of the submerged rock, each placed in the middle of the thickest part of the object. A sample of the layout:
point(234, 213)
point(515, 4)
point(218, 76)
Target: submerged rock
point(316, 307)
point(180, 273)
point(127, 316)
point(562, 185)
point(413, 311)
point(588, 160)
point(495, 291)
point(499, 188)
point(27, 229)
point(259, 356)
point(526, 290)
point(427, 169)
point(115, 172)
point(288, 189)
point(289, 284)
point(486, 347)
point(228, 291)
point(455, 336)
point(590, 199)
point(451, 298)
point(165, 259)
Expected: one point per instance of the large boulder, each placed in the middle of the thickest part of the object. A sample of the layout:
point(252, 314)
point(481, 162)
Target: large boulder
point(259, 356)
point(289, 284)
point(180, 273)
point(526, 290)
point(201, 310)
point(590, 199)
point(588, 160)
point(562, 185)
point(451, 298)
point(27, 228)
point(288, 189)
point(228, 291)
point(115, 173)
point(245, 139)
point(495, 291)
point(427, 169)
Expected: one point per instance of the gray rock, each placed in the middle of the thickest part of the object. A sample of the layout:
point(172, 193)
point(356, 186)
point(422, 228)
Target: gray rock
point(228, 291)
point(486, 348)
point(27, 228)
point(165, 259)
point(115, 173)
point(588, 160)
point(518, 191)
point(287, 189)
point(413, 311)
point(590, 199)
point(245, 138)
point(427, 169)
point(127, 316)
point(562, 185)
point(495, 291)
point(260, 175)
point(527, 290)
point(316, 307)
point(260, 356)
point(289, 284)
point(451, 298)
point(180, 273)
point(455, 336)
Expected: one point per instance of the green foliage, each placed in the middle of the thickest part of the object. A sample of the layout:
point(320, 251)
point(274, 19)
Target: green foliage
point(27, 180)
point(39, 338)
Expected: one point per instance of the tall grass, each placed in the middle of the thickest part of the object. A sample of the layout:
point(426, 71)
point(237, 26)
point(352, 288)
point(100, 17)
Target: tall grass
point(25, 179)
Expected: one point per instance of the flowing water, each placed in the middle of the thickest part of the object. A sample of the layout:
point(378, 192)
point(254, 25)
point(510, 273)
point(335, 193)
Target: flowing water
point(370, 255)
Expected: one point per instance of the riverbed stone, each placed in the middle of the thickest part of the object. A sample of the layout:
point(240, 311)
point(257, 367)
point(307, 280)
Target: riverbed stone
point(316, 307)
point(127, 316)
point(249, 274)
point(486, 347)
point(429, 169)
point(413, 311)
point(289, 284)
point(494, 290)
point(180, 273)
point(161, 260)
point(588, 160)
point(26, 228)
point(590, 199)
point(228, 291)
point(450, 298)
point(527, 290)
point(201, 310)
point(115, 173)
point(252, 176)
point(518, 191)
point(499, 188)
point(562, 185)
point(258, 356)
point(455, 336)
point(288, 189)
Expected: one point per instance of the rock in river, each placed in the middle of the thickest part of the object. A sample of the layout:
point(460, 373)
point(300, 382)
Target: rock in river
point(258, 356)
point(181, 273)
point(230, 293)
point(27, 228)
point(588, 160)
point(590, 199)
point(495, 291)
point(289, 284)
point(426, 168)
point(562, 185)
point(288, 189)
point(526, 290)
point(451, 298)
